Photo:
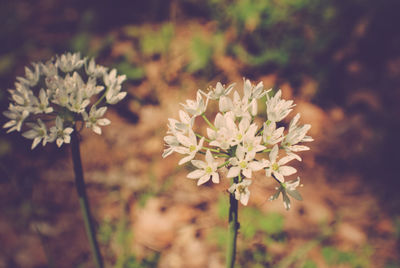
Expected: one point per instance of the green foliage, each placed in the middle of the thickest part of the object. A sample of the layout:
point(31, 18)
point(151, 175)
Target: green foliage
point(105, 232)
point(80, 43)
point(223, 207)
point(309, 264)
point(119, 234)
point(218, 236)
point(157, 42)
point(334, 257)
point(201, 54)
point(150, 41)
point(131, 71)
point(253, 220)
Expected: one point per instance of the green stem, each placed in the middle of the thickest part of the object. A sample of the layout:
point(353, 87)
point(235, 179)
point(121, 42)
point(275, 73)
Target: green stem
point(83, 200)
point(208, 122)
point(266, 150)
point(222, 155)
point(201, 136)
point(232, 229)
point(101, 98)
point(211, 149)
point(224, 164)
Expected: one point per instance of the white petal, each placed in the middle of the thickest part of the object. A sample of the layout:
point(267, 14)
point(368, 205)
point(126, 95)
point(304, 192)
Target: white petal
point(247, 172)
point(232, 188)
point(286, 159)
point(196, 174)
point(96, 129)
point(286, 170)
point(186, 159)
point(278, 176)
point(215, 177)
point(30, 134)
point(199, 164)
point(36, 141)
point(274, 153)
point(256, 166)
point(209, 157)
point(244, 198)
point(233, 172)
point(103, 122)
point(68, 130)
point(67, 139)
point(59, 142)
point(203, 179)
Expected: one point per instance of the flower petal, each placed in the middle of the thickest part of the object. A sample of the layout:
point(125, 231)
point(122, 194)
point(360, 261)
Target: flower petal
point(233, 172)
point(287, 171)
point(196, 174)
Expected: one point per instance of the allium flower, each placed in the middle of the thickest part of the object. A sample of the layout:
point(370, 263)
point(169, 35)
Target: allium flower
point(278, 109)
point(182, 126)
point(286, 188)
point(241, 191)
point(113, 84)
point(173, 145)
point(17, 118)
point(277, 168)
point(94, 120)
point(245, 143)
point(59, 133)
point(37, 133)
point(195, 108)
point(206, 170)
point(243, 163)
point(69, 62)
point(55, 95)
point(296, 134)
point(31, 77)
point(189, 146)
point(219, 91)
point(272, 135)
point(94, 69)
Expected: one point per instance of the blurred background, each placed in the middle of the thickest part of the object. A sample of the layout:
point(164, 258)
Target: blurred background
point(340, 62)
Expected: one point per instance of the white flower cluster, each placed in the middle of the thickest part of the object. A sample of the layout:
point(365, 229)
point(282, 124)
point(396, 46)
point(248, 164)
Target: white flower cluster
point(239, 140)
point(53, 96)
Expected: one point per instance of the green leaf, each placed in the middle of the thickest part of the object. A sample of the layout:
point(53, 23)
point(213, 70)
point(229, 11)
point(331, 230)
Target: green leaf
point(295, 194)
point(271, 223)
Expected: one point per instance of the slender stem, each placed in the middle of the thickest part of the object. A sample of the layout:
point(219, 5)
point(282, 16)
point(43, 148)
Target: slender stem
point(201, 136)
point(224, 164)
point(83, 200)
point(208, 122)
point(278, 181)
point(232, 229)
point(101, 98)
point(222, 155)
point(213, 150)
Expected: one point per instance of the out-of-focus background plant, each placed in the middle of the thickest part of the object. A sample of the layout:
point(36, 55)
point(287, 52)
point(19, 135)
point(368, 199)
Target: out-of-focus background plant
point(340, 60)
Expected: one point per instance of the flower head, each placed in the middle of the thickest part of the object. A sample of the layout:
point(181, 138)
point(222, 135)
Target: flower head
point(277, 168)
point(243, 143)
point(241, 191)
point(48, 101)
point(288, 188)
point(206, 170)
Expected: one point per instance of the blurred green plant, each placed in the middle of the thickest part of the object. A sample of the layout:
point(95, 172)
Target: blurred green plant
point(334, 257)
point(119, 236)
point(150, 41)
point(253, 220)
